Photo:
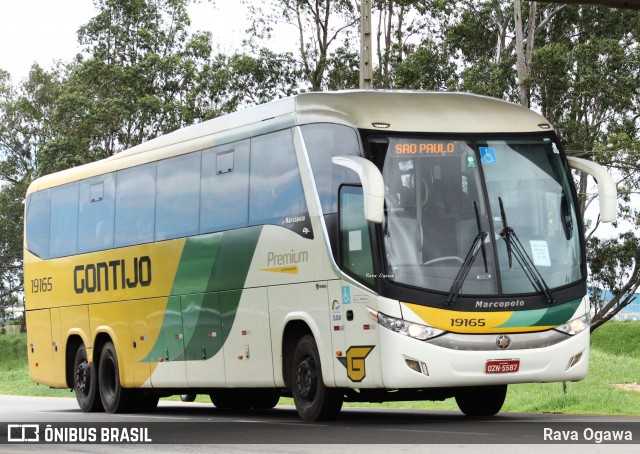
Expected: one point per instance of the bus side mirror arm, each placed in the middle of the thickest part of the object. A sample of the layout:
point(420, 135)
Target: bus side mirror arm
point(607, 193)
point(372, 185)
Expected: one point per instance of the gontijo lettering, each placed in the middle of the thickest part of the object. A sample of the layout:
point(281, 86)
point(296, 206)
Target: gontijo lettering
point(113, 275)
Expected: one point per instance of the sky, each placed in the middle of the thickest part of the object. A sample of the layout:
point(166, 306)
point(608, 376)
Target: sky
point(44, 31)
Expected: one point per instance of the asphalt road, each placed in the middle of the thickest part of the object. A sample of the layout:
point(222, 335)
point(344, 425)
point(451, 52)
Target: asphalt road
point(195, 427)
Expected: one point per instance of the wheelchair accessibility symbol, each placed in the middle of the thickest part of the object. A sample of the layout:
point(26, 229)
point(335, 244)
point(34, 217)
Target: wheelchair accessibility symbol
point(488, 155)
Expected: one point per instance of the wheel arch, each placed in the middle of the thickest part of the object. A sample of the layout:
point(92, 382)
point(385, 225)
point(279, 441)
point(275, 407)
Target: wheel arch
point(74, 341)
point(294, 330)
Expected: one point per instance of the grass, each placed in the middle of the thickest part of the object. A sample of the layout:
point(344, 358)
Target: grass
point(615, 359)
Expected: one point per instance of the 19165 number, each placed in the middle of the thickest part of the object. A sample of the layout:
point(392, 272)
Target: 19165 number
point(458, 322)
point(41, 285)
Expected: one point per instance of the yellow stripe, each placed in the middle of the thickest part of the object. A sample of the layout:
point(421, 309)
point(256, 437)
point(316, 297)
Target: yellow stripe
point(282, 269)
point(469, 322)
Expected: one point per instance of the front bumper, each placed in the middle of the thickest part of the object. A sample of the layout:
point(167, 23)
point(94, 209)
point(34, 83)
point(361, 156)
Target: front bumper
point(455, 360)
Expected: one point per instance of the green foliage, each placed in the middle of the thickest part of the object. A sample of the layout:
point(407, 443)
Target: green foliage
point(13, 351)
point(426, 68)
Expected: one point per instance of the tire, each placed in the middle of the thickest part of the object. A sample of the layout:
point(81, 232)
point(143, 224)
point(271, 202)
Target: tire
point(313, 400)
point(115, 398)
point(265, 398)
point(481, 400)
point(144, 402)
point(190, 397)
point(85, 382)
point(230, 399)
point(245, 398)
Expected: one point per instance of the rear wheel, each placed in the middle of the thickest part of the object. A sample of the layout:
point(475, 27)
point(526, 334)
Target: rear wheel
point(313, 400)
point(481, 400)
point(85, 382)
point(114, 397)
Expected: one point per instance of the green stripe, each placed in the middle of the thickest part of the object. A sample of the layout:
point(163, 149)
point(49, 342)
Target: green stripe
point(553, 316)
point(206, 293)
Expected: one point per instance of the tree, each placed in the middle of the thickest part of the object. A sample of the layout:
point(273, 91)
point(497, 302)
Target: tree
point(26, 126)
point(320, 26)
point(585, 78)
point(579, 67)
point(147, 66)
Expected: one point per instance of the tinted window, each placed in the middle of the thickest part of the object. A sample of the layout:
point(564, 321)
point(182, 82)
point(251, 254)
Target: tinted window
point(64, 220)
point(178, 197)
point(38, 223)
point(97, 207)
point(276, 188)
point(225, 187)
point(357, 257)
point(135, 205)
point(323, 142)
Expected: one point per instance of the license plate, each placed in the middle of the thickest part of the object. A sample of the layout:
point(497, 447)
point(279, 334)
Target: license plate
point(502, 366)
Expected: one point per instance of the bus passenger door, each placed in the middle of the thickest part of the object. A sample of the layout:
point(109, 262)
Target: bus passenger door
point(202, 323)
point(247, 338)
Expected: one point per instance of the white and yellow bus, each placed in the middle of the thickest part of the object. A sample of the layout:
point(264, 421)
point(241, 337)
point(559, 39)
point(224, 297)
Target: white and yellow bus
point(354, 246)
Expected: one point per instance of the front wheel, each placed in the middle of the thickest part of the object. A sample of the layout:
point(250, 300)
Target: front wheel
point(481, 400)
point(85, 382)
point(313, 400)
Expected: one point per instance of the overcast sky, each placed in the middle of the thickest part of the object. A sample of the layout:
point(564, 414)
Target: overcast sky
point(43, 31)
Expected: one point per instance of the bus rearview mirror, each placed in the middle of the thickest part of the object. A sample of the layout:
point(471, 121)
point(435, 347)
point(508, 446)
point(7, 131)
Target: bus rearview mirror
point(607, 193)
point(372, 185)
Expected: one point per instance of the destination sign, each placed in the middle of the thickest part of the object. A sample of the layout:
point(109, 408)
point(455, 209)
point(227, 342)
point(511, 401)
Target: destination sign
point(425, 148)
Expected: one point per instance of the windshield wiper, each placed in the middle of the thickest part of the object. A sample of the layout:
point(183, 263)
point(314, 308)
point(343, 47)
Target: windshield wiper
point(528, 267)
point(476, 246)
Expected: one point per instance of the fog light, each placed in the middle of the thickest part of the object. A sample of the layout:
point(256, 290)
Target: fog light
point(419, 367)
point(573, 361)
point(415, 365)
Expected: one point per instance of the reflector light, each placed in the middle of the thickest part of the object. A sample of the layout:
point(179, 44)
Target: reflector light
point(381, 125)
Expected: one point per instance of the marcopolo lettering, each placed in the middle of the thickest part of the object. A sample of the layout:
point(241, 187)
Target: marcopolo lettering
point(113, 275)
point(498, 304)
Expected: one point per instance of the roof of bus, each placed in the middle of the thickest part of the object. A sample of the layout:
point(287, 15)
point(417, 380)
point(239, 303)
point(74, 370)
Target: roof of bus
point(402, 111)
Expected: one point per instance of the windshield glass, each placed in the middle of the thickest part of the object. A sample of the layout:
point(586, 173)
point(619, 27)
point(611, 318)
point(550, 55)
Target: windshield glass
point(529, 178)
point(443, 214)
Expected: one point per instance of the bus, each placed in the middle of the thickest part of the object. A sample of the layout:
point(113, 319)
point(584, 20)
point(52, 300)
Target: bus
point(354, 246)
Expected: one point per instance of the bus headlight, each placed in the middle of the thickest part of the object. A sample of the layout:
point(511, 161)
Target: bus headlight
point(575, 326)
point(400, 326)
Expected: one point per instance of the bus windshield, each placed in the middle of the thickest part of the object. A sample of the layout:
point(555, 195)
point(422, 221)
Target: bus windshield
point(497, 215)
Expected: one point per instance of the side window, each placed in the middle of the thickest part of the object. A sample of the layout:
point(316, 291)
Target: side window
point(37, 230)
point(178, 197)
point(64, 220)
point(135, 205)
point(224, 202)
point(275, 188)
point(324, 141)
point(355, 254)
point(96, 213)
